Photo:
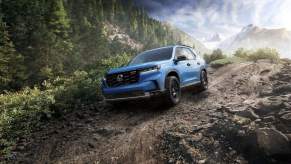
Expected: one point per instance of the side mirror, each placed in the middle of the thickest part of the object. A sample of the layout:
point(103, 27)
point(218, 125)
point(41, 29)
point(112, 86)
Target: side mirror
point(180, 58)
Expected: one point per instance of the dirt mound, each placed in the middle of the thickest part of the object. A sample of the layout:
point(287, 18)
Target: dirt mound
point(246, 109)
point(249, 127)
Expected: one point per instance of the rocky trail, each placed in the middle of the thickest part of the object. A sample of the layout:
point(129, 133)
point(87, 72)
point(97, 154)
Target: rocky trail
point(244, 117)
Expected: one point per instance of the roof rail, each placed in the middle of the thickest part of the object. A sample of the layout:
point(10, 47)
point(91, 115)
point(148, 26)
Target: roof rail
point(186, 45)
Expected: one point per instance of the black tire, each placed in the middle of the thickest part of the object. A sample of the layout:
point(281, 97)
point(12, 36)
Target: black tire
point(203, 81)
point(173, 91)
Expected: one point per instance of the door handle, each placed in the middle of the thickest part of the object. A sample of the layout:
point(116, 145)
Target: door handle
point(188, 64)
point(198, 63)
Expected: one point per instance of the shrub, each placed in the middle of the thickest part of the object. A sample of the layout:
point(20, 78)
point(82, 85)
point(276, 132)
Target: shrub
point(241, 53)
point(264, 53)
point(113, 62)
point(21, 112)
point(215, 55)
point(222, 62)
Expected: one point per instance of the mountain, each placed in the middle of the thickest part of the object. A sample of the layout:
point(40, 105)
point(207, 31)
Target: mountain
point(214, 38)
point(186, 39)
point(253, 37)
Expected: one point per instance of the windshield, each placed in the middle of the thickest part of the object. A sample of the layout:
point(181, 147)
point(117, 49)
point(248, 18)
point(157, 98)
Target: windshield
point(153, 55)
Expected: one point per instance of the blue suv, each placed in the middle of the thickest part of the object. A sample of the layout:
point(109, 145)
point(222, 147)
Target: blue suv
point(158, 72)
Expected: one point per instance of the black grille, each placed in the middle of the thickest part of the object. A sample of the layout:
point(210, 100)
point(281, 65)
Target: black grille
point(124, 78)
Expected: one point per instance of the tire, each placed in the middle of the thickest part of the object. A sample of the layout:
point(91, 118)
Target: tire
point(173, 91)
point(203, 81)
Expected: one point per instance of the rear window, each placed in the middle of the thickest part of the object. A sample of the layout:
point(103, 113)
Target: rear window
point(153, 55)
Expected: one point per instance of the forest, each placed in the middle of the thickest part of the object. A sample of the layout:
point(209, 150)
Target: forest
point(43, 39)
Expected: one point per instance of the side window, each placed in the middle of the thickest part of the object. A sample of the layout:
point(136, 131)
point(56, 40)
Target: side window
point(178, 52)
point(195, 53)
point(190, 54)
point(185, 52)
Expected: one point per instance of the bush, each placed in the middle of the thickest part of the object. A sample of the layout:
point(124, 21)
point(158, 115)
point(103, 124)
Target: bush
point(215, 55)
point(241, 53)
point(21, 112)
point(225, 61)
point(264, 53)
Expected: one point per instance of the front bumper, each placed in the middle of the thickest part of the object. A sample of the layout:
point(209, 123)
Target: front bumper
point(142, 90)
point(132, 96)
point(149, 85)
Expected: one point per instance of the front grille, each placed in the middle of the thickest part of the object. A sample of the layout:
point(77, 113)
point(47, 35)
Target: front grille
point(125, 95)
point(124, 78)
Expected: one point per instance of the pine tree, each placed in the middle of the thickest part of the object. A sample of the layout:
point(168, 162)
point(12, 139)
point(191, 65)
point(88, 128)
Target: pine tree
point(11, 62)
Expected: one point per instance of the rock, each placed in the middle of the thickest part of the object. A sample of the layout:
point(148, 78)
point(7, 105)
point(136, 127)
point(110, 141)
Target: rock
point(20, 148)
point(248, 114)
point(267, 105)
point(240, 120)
point(272, 141)
point(258, 120)
point(269, 119)
point(197, 137)
point(80, 116)
point(283, 89)
point(201, 161)
point(91, 145)
point(286, 118)
point(196, 128)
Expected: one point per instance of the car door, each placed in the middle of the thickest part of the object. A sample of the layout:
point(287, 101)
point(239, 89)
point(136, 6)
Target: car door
point(195, 65)
point(184, 67)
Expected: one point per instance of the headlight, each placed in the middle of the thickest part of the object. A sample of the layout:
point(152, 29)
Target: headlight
point(151, 69)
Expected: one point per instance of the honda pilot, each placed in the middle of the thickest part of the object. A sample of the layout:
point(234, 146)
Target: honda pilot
point(158, 72)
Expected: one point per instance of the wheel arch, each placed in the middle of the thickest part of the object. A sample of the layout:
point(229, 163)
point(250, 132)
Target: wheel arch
point(173, 73)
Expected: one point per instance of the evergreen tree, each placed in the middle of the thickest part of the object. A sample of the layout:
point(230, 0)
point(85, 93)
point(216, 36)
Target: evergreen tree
point(11, 62)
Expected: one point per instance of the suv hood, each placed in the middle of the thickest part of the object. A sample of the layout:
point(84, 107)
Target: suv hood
point(135, 67)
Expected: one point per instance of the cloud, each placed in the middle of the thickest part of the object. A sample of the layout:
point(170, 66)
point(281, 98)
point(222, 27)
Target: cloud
point(202, 18)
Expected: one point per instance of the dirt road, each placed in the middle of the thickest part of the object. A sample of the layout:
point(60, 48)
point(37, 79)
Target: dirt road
point(201, 129)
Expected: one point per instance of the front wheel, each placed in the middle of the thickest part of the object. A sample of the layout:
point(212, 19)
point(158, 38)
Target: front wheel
point(203, 81)
point(173, 91)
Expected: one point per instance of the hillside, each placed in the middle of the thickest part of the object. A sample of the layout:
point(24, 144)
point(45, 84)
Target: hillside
point(253, 37)
point(47, 39)
point(245, 110)
point(186, 39)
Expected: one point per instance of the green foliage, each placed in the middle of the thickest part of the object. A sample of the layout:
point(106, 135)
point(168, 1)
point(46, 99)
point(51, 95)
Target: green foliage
point(264, 53)
point(58, 37)
point(215, 55)
point(225, 61)
point(21, 112)
point(115, 61)
point(241, 53)
point(11, 62)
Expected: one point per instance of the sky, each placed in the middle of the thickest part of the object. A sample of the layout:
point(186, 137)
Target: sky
point(203, 18)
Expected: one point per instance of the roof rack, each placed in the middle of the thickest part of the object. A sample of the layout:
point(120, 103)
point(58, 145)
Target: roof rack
point(186, 45)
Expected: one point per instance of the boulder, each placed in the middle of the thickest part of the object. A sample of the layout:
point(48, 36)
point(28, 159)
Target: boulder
point(267, 105)
point(286, 118)
point(273, 142)
point(248, 114)
point(283, 89)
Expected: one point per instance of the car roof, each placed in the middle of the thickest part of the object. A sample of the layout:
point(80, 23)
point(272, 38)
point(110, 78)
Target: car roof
point(173, 46)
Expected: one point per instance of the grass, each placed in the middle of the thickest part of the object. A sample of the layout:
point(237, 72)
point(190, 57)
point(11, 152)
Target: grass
point(229, 60)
